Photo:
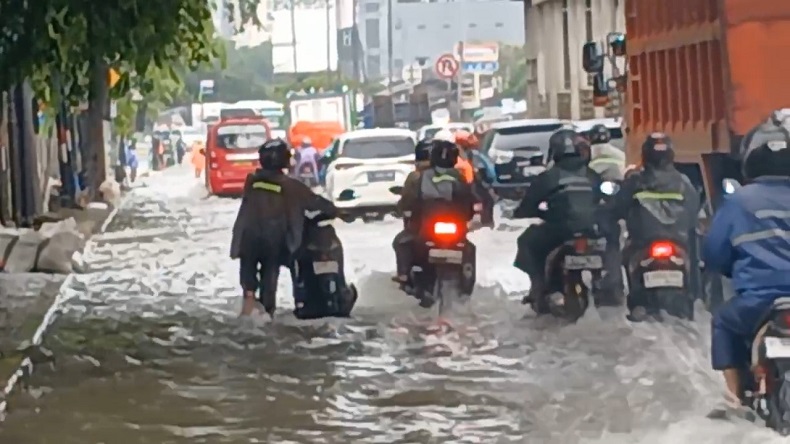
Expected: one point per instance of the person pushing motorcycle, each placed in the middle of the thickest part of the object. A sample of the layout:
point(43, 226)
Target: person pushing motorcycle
point(438, 190)
point(571, 191)
point(657, 203)
point(269, 227)
point(749, 242)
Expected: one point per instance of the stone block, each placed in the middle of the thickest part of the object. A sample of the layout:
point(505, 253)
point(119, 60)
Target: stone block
point(24, 253)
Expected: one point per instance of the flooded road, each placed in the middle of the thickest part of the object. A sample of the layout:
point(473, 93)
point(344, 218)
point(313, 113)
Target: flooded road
point(148, 350)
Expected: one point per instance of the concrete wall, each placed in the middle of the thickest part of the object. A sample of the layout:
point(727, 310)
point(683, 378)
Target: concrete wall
point(423, 29)
point(558, 86)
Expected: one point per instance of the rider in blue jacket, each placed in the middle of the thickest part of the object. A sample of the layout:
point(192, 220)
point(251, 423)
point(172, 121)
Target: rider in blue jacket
point(749, 242)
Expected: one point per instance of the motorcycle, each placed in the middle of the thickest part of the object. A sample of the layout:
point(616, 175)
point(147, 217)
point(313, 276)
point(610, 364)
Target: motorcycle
point(307, 176)
point(320, 270)
point(442, 272)
point(572, 274)
point(658, 279)
point(767, 384)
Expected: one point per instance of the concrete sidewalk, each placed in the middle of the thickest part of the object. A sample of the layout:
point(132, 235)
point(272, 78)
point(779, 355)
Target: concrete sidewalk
point(27, 304)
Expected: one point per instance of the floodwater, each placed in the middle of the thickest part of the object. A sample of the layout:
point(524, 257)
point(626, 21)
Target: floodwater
point(148, 350)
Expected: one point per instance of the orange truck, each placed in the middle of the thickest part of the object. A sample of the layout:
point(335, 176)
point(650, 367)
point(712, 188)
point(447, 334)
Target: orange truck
point(704, 72)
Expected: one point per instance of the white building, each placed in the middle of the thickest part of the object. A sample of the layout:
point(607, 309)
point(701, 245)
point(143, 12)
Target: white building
point(428, 29)
point(556, 32)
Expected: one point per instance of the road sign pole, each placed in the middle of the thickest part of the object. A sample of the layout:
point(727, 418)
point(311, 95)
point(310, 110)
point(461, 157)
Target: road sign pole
point(460, 79)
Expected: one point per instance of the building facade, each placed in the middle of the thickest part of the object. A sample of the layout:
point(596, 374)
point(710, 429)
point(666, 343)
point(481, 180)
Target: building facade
point(423, 30)
point(556, 33)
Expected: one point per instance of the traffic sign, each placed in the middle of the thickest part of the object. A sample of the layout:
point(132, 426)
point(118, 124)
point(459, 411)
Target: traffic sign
point(481, 67)
point(113, 77)
point(446, 66)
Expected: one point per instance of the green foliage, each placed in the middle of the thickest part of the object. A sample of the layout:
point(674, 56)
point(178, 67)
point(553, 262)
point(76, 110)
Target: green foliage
point(513, 68)
point(57, 41)
point(244, 73)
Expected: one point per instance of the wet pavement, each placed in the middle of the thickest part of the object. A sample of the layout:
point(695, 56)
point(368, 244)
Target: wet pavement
point(148, 350)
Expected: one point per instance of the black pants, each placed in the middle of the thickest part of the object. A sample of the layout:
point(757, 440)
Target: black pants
point(534, 245)
point(613, 259)
point(403, 244)
point(259, 270)
point(488, 202)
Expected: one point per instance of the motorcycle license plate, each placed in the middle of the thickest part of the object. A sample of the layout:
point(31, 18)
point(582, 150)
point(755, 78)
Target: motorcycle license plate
point(777, 347)
point(436, 255)
point(326, 267)
point(663, 278)
point(583, 262)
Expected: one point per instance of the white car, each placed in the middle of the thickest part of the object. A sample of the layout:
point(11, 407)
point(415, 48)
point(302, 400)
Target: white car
point(365, 164)
point(431, 130)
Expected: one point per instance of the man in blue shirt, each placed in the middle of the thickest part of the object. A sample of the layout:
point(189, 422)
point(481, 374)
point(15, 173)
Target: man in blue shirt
point(749, 242)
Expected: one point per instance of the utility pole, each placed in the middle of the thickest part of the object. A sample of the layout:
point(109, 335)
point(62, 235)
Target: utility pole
point(460, 79)
point(390, 66)
point(293, 33)
point(355, 46)
point(328, 49)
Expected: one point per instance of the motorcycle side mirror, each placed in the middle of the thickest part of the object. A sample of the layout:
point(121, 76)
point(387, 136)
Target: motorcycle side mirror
point(730, 185)
point(396, 190)
point(346, 195)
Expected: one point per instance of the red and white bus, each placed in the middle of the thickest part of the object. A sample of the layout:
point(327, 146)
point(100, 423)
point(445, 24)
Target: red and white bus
point(232, 152)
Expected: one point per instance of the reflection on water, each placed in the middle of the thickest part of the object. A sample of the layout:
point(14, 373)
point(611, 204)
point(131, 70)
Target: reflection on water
point(148, 350)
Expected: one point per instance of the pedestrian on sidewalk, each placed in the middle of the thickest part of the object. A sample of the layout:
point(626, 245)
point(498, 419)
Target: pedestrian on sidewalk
point(131, 160)
point(198, 159)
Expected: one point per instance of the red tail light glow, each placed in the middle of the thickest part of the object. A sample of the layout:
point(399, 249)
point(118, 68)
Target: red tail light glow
point(580, 244)
point(662, 250)
point(445, 228)
point(212, 154)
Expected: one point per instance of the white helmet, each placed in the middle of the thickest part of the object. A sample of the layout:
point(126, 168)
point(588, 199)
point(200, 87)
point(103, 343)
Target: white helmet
point(445, 135)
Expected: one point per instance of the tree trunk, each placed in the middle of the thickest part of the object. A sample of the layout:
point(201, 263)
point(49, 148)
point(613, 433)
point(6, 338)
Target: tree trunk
point(96, 164)
point(5, 162)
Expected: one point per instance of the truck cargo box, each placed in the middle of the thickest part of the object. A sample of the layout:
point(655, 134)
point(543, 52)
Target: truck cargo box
point(705, 71)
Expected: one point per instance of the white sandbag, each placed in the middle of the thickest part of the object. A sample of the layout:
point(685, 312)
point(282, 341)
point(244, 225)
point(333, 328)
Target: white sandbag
point(111, 192)
point(7, 240)
point(24, 253)
point(55, 256)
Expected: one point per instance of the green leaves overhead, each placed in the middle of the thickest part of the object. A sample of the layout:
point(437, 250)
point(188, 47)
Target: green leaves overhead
point(54, 41)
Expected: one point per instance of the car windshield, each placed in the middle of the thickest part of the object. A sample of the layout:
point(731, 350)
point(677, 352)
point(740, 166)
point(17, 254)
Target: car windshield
point(230, 113)
point(528, 136)
point(241, 136)
point(378, 147)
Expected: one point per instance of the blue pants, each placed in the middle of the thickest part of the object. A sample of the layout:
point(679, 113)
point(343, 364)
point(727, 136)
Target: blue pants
point(733, 330)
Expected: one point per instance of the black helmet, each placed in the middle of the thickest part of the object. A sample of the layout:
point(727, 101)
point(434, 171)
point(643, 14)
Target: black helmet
point(444, 154)
point(568, 143)
point(765, 150)
point(274, 155)
point(657, 151)
point(599, 134)
point(422, 151)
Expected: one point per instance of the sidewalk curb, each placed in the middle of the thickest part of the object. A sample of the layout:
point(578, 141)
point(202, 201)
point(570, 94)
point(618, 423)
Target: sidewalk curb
point(25, 366)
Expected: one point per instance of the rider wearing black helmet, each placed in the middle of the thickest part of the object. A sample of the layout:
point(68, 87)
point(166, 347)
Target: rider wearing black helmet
point(749, 242)
point(571, 190)
point(434, 190)
point(657, 202)
point(403, 240)
point(270, 223)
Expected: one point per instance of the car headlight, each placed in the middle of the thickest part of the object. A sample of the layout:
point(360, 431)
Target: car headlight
point(501, 157)
point(609, 188)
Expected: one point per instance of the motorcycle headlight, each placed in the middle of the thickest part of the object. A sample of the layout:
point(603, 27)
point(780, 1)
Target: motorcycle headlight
point(501, 157)
point(609, 188)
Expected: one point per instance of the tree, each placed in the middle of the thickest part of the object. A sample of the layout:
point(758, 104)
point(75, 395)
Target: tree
point(514, 71)
point(71, 44)
point(246, 72)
